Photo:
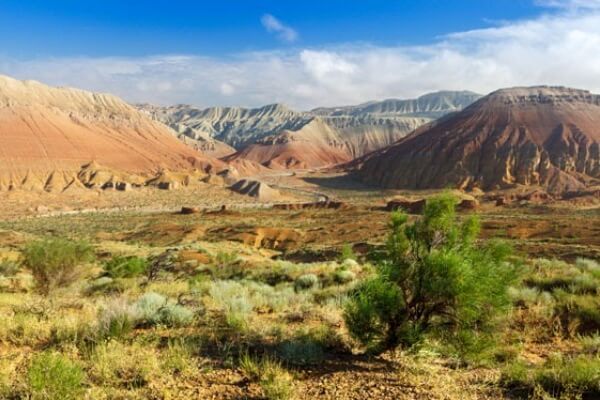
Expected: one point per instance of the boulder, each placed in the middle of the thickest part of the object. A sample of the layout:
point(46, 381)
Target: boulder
point(410, 206)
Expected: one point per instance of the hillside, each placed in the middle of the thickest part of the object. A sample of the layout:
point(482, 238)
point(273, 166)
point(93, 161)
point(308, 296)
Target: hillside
point(275, 135)
point(541, 136)
point(48, 134)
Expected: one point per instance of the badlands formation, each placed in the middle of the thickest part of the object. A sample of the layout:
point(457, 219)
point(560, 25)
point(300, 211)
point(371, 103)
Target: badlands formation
point(57, 138)
point(538, 136)
point(280, 138)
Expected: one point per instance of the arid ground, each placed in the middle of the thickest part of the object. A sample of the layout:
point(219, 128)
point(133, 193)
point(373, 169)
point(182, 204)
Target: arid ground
point(248, 323)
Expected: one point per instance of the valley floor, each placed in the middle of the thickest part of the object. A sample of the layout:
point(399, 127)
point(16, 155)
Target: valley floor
point(250, 299)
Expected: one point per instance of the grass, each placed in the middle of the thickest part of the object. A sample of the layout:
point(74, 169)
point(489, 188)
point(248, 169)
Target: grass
point(241, 326)
point(53, 376)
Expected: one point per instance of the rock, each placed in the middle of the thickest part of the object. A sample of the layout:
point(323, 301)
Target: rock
point(123, 186)
point(189, 210)
point(257, 189)
point(410, 206)
point(468, 204)
point(502, 201)
point(168, 185)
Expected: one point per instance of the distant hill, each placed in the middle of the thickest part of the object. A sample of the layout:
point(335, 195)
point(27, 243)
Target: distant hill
point(48, 134)
point(277, 136)
point(540, 136)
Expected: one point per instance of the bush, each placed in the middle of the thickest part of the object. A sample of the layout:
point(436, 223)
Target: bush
point(117, 364)
point(275, 382)
point(575, 377)
point(302, 350)
point(126, 267)
point(116, 319)
point(343, 276)
point(8, 267)
point(53, 376)
point(305, 282)
point(154, 309)
point(432, 280)
point(54, 262)
point(174, 315)
point(148, 307)
point(347, 253)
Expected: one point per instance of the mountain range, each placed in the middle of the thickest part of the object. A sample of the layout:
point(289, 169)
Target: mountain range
point(279, 137)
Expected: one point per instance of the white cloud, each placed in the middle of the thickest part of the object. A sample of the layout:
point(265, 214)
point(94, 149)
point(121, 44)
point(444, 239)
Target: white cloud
point(273, 25)
point(560, 48)
point(570, 4)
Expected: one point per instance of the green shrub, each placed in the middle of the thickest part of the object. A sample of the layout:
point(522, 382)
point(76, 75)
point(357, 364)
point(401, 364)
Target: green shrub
point(126, 267)
point(579, 375)
point(174, 315)
point(347, 253)
point(432, 280)
point(55, 262)
point(587, 265)
point(275, 382)
point(301, 350)
point(590, 344)
point(343, 276)
point(53, 376)
point(305, 282)
point(154, 309)
point(129, 366)
point(148, 307)
point(116, 319)
point(8, 267)
point(575, 377)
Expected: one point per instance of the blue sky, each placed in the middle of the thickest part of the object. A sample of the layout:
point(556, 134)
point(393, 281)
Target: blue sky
point(55, 28)
point(304, 53)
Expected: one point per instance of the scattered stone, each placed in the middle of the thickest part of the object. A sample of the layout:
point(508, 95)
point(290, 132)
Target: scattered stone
point(410, 206)
point(189, 210)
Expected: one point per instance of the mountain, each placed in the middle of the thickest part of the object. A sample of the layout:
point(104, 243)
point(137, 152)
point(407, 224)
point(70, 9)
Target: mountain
point(279, 137)
point(47, 135)
point(429, 106)
point(235, 126)
point(314, 145)
point(541, 136)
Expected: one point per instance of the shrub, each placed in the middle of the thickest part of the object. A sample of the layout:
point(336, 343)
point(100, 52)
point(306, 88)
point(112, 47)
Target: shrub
point(590, 344)
point(305, 282)
point(432, 279)
point(116, 319)
point(154, 309)
point(347, 253)
point(126, 267)
point(576, 377)
point(344, 276)
point(177, 358)
point(54, 262)
point(8, 267)
point(148, 307)
point(174, 315)
point(579, 375)
point(587, 265)
point(275, 382)
point(117, 364)
point(523, 296)
point(53, 376)
point(302, 350)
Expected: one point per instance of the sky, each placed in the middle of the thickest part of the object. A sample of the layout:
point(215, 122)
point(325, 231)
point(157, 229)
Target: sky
point(302, 53)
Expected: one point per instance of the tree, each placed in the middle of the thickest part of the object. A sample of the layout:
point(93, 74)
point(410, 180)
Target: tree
point(433, 279)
